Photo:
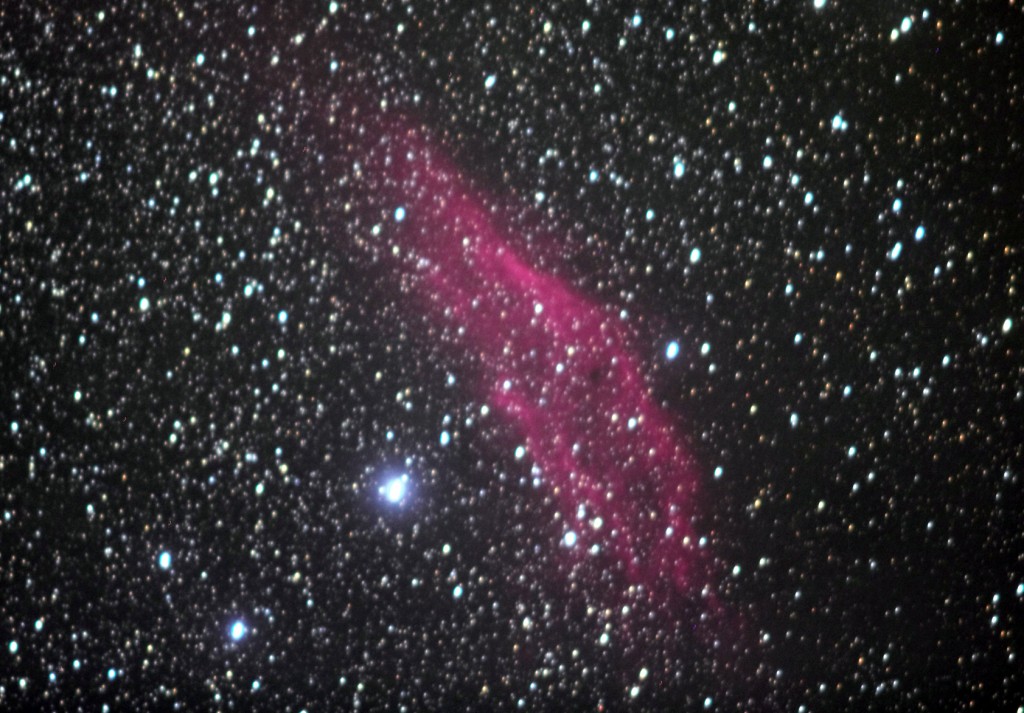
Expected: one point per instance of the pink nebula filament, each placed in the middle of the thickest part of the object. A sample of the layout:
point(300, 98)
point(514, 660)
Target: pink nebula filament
point(554, 364)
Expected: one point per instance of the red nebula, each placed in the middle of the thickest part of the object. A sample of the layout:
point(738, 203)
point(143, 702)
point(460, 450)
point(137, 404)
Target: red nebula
point(555, 364)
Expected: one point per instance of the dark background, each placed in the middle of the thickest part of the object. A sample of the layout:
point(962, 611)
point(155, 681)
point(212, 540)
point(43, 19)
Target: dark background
point(869, 555)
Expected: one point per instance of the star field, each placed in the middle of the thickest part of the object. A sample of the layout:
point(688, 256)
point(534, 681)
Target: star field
point(506, 356)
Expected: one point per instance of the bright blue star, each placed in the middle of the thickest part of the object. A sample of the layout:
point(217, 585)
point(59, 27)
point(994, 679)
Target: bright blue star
point(394, 490)
point(238, 630)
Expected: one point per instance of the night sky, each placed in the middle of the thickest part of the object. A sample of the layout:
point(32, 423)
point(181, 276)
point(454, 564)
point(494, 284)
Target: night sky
point(585, 355)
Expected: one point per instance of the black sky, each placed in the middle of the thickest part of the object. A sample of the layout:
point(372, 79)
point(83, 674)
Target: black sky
point(204, 352)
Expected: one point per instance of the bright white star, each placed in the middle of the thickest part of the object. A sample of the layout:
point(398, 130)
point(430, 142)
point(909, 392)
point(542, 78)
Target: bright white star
point(395, 489)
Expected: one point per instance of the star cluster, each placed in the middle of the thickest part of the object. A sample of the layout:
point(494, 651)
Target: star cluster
point(506, 356)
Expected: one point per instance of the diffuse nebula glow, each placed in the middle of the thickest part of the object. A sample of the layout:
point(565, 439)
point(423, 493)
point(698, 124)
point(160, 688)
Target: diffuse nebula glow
point(554, 364)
